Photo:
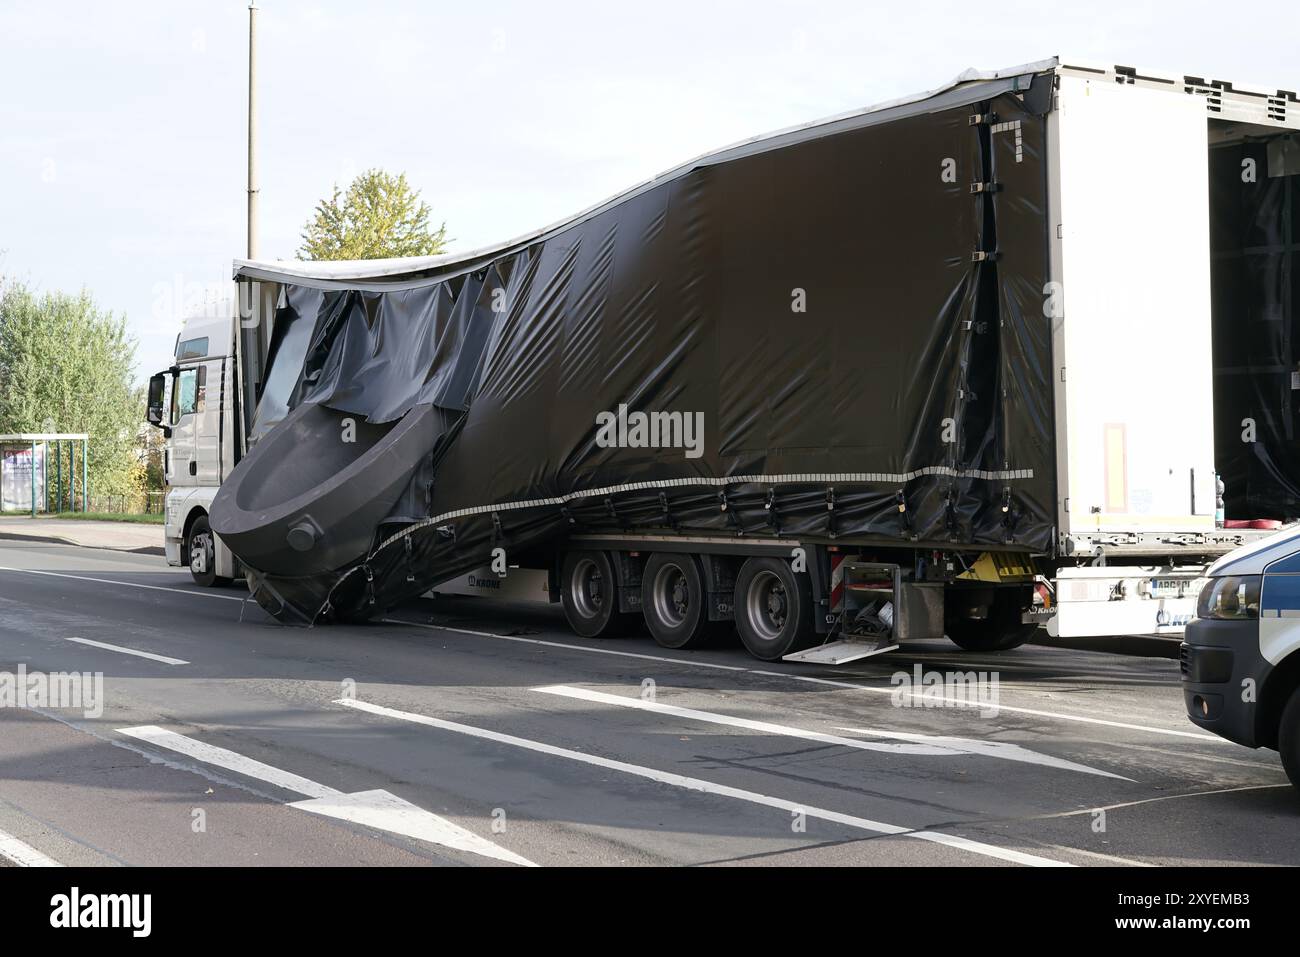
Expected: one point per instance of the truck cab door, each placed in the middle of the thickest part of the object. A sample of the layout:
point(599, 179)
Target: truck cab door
point(182, 461)
point(207, 417)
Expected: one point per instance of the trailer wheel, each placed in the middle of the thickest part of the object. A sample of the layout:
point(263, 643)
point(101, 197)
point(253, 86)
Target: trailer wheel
point(1000, 630)
point(673, 600)
point(774, 608)
point(588, 592)
point(1288, 738)
point(201, 554)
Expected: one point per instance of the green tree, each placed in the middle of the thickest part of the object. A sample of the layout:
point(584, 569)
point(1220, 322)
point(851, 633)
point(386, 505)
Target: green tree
point(380, 216)
point(65, 366)
point(150, 446)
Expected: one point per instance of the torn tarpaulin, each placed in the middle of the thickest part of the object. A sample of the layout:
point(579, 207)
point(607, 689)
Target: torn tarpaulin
point(820, 307)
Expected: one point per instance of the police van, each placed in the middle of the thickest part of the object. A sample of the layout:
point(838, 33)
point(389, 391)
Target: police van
point(1241, 655)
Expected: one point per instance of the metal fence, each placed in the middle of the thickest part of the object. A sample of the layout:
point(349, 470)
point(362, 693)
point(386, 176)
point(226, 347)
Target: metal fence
point(131, 503)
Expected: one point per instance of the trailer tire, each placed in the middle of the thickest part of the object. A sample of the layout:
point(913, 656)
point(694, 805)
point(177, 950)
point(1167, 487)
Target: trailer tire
point(774, 608)
point(1288, 738)
point(589, 595)
point(199, 541)
point(674, 601)
point(1000, 630)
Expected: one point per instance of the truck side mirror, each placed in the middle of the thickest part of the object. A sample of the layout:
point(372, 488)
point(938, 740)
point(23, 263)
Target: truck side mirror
point(157, 390)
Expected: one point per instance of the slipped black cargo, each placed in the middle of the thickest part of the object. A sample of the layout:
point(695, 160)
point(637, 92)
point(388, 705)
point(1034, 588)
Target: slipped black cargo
point(844, 325)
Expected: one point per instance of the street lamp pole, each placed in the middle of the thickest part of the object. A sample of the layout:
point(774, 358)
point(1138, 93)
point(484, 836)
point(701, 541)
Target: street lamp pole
point(252, 131)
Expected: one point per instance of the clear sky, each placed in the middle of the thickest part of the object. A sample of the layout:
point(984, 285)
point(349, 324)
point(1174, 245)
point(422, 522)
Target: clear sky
point(122, 125)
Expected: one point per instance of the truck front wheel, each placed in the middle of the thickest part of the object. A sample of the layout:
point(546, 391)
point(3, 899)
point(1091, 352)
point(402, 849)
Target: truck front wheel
point(589, 595)
point(1288, 738)
point(999, 628)
point(201, 553)
point(774, 608)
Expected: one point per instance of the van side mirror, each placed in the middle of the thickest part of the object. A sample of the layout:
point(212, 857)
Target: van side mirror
point(157, 391)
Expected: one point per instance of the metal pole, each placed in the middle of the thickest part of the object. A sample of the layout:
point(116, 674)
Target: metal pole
point(58, 476)
point(85, 475)
point(252, 131)
point(33, 479)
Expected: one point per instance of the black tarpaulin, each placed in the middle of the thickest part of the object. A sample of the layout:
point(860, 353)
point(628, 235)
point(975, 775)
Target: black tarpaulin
point(1255, 269)
point(859, 334)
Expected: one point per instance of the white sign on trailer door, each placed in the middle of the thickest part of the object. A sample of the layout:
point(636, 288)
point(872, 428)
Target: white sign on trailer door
point(1135, 253)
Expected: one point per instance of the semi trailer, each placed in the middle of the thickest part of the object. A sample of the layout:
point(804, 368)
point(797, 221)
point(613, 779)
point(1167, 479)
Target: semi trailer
point(1014, 352)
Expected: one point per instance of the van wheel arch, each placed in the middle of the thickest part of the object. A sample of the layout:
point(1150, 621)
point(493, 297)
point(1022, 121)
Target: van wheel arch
point(1281, 683)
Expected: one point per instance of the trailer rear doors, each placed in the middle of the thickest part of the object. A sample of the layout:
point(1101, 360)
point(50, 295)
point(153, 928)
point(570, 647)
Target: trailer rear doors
point(1131, 314)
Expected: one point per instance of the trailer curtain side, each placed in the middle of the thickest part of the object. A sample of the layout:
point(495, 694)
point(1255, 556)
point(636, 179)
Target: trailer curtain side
point(840, 336)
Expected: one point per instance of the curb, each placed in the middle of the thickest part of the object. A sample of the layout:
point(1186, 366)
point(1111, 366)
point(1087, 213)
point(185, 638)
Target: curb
point(142, 550)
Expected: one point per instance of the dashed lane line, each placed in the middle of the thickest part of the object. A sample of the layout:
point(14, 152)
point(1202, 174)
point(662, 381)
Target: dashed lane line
point(128, 651)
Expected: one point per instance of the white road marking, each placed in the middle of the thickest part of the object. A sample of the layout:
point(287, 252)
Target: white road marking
point(992, 749)
point(24, 855)
point(378, 809)
point(707, 787)
point(1060, 716)
point(230, 760)
point(129, 651)
point(809, 679)
point(919, 743)
point(106, 581)
point(1107, 858)
point(763, 727)
point(387, 812)
point(1162, 798)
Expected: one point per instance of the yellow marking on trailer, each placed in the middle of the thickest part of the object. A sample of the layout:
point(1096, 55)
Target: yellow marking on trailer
point(999, 567)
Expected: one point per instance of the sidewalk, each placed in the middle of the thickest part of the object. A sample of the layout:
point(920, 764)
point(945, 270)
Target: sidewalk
point(120, 536)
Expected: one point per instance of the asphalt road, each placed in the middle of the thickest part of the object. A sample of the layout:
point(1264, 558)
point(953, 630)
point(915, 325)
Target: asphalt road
point(468, 733)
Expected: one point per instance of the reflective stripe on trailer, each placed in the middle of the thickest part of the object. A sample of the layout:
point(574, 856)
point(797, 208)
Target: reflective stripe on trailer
point(837, 582)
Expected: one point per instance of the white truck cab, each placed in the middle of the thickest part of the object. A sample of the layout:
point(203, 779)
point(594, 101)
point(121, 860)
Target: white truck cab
point(192, 403)
point(1241, 656)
